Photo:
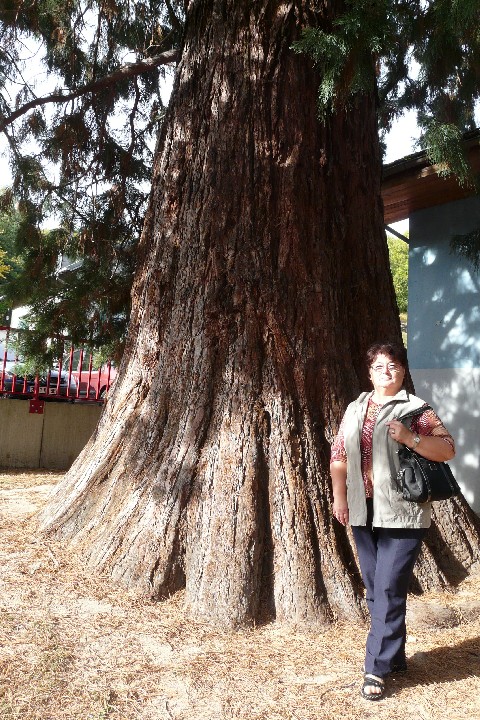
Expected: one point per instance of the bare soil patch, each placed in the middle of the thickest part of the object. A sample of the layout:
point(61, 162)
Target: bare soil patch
point(73, 646)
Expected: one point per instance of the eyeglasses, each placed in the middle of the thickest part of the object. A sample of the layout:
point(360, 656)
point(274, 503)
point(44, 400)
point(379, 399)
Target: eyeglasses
point(391, 367)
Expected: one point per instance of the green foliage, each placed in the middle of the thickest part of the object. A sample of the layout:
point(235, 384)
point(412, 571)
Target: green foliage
point(417, 56)
point(347, 52)
point(444, 149)
point(468, 246)
point(91, 163)
point(36, 353)
point(4, 268)
point(88, 299)
point(10, 255)
point(398, 252)
point(421, 56)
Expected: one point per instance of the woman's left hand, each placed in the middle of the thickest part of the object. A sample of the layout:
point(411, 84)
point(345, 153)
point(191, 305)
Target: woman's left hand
point(400, 433)
point(431, 447)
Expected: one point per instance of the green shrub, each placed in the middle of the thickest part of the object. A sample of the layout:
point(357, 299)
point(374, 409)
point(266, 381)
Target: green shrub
point(398, 251)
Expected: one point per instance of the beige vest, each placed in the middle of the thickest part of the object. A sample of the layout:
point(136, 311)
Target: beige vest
point(390, 510)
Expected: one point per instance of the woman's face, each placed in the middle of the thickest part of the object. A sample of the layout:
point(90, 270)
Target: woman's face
point(386, 375)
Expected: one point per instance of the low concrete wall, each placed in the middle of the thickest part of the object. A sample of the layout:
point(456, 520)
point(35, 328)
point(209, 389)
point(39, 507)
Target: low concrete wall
point(51, 440)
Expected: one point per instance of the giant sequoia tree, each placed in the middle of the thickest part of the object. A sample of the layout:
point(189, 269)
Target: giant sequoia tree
point(263, 277)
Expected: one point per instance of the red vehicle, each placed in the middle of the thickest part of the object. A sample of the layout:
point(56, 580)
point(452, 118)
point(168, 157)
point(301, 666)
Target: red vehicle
point(73, 377)
point(92, 384)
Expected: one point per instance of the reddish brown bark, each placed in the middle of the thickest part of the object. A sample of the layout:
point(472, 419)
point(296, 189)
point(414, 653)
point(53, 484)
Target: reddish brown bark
point(264, 277)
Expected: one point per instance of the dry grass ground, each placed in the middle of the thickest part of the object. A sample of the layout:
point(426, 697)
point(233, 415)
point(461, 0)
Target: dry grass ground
point(74, 646)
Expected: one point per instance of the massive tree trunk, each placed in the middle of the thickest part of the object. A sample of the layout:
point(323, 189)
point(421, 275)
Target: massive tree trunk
point(263, 277)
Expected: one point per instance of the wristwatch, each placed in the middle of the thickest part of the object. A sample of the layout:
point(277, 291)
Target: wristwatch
point(416, 440)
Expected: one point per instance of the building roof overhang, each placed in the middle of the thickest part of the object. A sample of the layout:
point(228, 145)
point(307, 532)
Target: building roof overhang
point(412, 183)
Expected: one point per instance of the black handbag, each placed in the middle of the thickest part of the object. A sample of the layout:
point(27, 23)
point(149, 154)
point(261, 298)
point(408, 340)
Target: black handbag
point(422, 480)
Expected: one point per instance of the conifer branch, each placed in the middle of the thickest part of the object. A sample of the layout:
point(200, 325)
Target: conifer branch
point(127, 71)
point(172, 17)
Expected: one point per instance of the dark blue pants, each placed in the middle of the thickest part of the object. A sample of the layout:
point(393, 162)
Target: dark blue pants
point(387, 557)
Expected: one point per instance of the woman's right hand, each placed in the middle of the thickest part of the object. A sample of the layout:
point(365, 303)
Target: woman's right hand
point(340, 511)
point(338, 471)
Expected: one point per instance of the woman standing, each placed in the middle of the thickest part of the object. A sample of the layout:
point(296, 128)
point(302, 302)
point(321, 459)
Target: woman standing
point(387, 529)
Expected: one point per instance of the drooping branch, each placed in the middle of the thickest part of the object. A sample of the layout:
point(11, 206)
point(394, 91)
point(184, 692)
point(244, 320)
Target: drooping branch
point(127, 71)
point(172, 17)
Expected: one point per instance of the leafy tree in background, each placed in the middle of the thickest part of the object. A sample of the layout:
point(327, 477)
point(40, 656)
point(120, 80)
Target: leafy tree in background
point(4, 268)
point(94, 126)
point(398, 254)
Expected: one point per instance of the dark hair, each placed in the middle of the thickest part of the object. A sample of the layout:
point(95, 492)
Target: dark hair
point(394, 350)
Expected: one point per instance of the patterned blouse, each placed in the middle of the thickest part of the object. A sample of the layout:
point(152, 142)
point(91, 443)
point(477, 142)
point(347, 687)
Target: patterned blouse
point(426, 423)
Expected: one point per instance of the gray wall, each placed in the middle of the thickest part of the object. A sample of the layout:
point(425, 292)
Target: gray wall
point(51, 440)
point(444, 330)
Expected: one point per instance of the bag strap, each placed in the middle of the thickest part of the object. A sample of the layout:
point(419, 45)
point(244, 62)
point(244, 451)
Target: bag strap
point(414, 413)
point(408, 416)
